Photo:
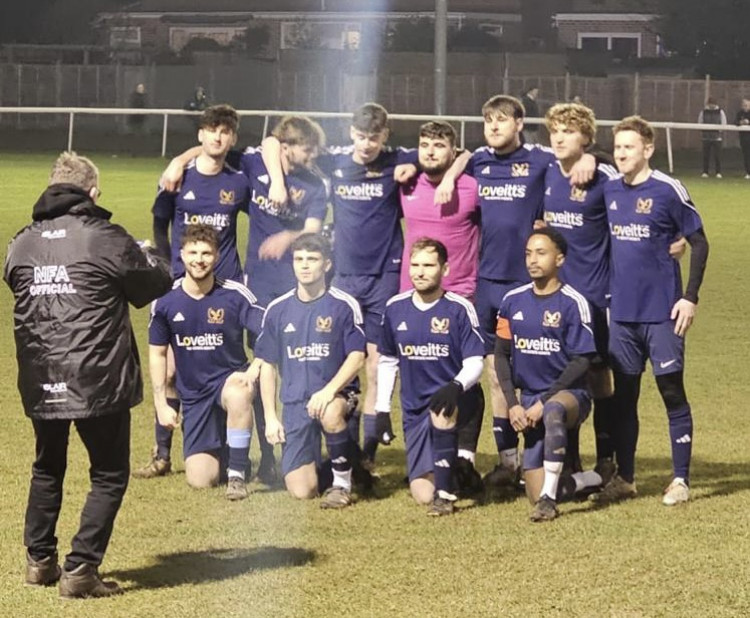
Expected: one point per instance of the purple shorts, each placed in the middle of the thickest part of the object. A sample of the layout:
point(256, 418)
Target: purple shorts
point(631, 343)
point(372, 292)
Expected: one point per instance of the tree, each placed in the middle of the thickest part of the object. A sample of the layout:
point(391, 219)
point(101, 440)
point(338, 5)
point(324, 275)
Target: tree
point(715, 34)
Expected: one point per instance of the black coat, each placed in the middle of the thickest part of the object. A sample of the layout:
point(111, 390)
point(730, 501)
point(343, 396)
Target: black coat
point(73, 274)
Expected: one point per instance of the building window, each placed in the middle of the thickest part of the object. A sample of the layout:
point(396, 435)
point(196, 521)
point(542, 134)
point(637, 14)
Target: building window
point(320, 35)
point(125, 36)
point(622, 46)
point(179, 37)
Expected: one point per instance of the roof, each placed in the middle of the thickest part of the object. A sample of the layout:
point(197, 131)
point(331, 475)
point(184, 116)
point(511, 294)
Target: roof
point(321, 6)
point(610, 6)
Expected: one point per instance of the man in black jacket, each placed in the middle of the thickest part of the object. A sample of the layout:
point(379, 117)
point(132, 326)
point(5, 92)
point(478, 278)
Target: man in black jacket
point(73, 274)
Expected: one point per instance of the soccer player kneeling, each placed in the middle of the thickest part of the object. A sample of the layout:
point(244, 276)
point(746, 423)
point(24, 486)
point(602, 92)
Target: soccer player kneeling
point(203, 318)
point(432, 337)
point(313, 337)
point(544, 347)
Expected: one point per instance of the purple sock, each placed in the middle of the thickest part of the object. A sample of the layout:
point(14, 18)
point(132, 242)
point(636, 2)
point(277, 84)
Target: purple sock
point(164, 435)
point(444, 453)
point(371, 438)
point(340, 448)
point(238, 441)
point(681, 436)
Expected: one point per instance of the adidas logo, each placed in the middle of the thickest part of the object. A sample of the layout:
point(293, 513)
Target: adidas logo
point(189, 196)
point(442, 463)
point(683, 440)
point(263, 178)
point(486, 169)
point(338, 173)
point(548, 191)
point(402, 326)
point(613, 206)
point(498, 429)
point(289, 328)
point(179, 317)
point(339, 460)
point(518, 315)
point(559, 451)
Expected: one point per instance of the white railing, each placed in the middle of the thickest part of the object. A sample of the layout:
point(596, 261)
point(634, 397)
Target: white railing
point(267, 114)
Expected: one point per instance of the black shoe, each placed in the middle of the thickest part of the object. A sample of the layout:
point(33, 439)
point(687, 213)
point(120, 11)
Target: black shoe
point(440, 507)
point(84, 582)
point(566, 487)
point(468, 480)
point(44, 572)
point(545, 509)
point(267, 473)
point(362, 476)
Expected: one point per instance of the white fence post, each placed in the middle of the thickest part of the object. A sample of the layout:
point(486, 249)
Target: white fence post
point(71, 122)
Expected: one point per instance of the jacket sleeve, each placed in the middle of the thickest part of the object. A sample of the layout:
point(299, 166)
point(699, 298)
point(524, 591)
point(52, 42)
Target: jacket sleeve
point(143, 274)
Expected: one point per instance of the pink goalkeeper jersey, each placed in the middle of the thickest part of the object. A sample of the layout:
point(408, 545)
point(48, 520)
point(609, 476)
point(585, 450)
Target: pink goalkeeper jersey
point(455, 224)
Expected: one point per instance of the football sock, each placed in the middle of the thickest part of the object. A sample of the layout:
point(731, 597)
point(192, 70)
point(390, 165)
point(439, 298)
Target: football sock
point(371, 437)
point(552, 471)
point(506, 440)
point(572, 450)
point(555, 434)
point(603, 418)
point(586, 480)
point(352, 425)
point(672, 390)
point(681, 436)
point(625, 425)
point(444, 451)
point(164, 435)
point(266, 449)
point(340, 447)
point(238, 441)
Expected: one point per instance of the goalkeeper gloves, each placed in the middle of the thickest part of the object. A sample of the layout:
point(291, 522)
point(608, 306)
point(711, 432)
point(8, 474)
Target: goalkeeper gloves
point(384, 428)
point(445, 399)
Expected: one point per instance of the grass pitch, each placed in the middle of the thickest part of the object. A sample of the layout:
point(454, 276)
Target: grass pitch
point(186, 553)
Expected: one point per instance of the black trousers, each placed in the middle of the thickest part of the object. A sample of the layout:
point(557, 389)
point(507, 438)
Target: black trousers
point(107, 440)
point(745, 145)
point(711, 148)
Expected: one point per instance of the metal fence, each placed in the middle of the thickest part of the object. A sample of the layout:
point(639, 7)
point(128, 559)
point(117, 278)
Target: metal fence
point(336, 123)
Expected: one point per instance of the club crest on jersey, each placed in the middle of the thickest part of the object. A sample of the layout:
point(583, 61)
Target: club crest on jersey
point(519, 170)
point(439, 326)
point(551, 319)
point(296, 195)
point(226, 198)
point(643, 207)
point(215, 316)
point(323, 325)
point(577, 194)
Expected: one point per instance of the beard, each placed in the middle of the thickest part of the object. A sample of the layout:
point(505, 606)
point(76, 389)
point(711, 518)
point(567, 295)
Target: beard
point(435, 169)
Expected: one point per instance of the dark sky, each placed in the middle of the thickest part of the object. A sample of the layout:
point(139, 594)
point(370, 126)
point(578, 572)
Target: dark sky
point(50, 21)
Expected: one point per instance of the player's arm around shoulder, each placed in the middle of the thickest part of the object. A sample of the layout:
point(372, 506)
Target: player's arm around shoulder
point(444, 191)
point(271, 154)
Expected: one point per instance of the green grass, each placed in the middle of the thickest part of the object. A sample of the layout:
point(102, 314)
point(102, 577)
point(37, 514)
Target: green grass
point(185, 553)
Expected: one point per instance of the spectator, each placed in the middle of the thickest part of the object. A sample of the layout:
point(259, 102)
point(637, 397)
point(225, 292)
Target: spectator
point(743, 120)
point(531, 107)
point(712, 114)
point(199, 102)
point(138, 100)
